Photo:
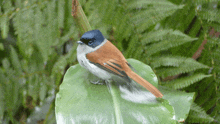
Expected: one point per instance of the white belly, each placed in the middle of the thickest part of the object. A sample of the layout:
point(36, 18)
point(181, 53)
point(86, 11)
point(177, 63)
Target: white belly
point(82, 50)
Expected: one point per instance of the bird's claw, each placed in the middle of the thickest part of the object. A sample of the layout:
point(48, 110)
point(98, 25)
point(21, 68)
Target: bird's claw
point(99, 82)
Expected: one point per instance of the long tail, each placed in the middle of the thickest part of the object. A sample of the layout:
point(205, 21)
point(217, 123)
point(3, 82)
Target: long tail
point(145, 84)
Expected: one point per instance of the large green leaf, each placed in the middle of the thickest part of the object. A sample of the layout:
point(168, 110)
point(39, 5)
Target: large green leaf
point(79, 101)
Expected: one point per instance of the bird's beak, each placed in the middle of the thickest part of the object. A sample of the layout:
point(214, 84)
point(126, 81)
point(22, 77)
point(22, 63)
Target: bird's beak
point(79, 42)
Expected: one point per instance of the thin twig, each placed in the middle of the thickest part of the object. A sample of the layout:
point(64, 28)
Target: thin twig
point(80, 17)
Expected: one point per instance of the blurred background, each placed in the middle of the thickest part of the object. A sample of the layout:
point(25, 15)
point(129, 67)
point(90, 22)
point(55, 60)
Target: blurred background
point(178, 39)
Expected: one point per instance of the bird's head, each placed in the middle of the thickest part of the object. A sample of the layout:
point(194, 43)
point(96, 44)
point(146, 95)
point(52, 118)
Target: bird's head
point(92, 38)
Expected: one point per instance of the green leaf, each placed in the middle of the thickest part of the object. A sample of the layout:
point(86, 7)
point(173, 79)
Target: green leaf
point(150, 15)
point(58, 69)
point(180, 101)
point(6, 63)
point(198, 115)
point(2, 94)
point(158, 35)
point(66, 37)
point(184, 65)
point(35, 70)
point(24, 31)
point(174, 61)
point(15, 60)
point(80, 101)
point(72, 55)
point(195, 28)
point(36, 62)
point(34, 86)
point(7, 5)
point(204, 1)
point(12, 88)
point(1, 46)
point(210, 15)
point(43, 88)
point(146, 3)
point(61, 13)
point(2, 106)
point(46, 29)
point(4, 26)
point(186, 81)
point(173, 39)
point(182, 18)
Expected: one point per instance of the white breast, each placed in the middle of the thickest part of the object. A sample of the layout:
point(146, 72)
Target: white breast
point(82, 50)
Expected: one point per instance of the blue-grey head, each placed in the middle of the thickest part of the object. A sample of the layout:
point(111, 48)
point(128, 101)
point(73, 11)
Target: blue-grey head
point(92, 38)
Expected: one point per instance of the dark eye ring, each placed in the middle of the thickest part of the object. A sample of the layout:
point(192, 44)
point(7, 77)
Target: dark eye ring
point(90, 42)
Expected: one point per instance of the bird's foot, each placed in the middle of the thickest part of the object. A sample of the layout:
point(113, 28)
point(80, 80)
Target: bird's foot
point(99, 82)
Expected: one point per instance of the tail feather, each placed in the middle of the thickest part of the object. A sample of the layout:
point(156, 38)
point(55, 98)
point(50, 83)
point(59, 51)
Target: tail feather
point(145, 84)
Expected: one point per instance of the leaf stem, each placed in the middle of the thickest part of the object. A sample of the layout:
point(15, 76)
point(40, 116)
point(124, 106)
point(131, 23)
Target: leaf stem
point(48, 113)
point(112, 90)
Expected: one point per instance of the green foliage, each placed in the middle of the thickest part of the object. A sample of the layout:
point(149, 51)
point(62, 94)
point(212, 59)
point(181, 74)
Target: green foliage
point(170, 39)
point(186, 81)
point(4, 26)
point(208, 92)
point(204, 1)
point(151, 12)
point(27, 81)
point(210, 15)
point(182, 65)
point(197, 114)
point(37, 45)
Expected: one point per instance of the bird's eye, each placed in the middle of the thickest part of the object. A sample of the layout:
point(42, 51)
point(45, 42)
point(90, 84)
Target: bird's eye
point(90, 43)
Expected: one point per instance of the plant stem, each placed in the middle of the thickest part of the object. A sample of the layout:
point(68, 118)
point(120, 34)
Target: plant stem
point(80, 17)
point(48, 113)
point(115, 102)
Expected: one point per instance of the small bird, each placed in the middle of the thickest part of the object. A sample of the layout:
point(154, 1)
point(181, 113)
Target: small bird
point(104, 60)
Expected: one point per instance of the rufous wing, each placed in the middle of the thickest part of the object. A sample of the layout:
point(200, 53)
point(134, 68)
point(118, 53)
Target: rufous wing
point(109, 58)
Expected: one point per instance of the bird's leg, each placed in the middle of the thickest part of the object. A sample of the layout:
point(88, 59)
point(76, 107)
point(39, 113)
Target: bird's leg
point(106, 81)
point(99, 82)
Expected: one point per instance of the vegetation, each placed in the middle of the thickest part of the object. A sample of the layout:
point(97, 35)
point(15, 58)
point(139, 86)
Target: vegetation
point(178, 39)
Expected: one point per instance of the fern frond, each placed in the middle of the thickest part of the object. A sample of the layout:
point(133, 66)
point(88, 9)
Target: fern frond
point(206, 91)
point(37, 25)
point(59, 66)
point(211, 102)
point(215, 25)
point(195, 28)
point(15, 60)
point(72, 54)
point(155, 36)
point(1, 47)
point(133, 43)
point(146, 3)
point(61, 13)
point(186, 81)
point(186, 66)
point(215, 111)
point(210, 15)
point(176, 38)
point(174, 61)
point(181, 19)
point(151, 15)
point(4, 26)
point(198, 115)
point(6, 64)
point(204, 1)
